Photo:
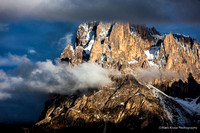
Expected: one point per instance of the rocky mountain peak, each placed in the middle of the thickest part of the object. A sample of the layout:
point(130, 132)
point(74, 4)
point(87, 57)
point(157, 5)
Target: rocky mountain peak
point(130, 103)
point(123, 45)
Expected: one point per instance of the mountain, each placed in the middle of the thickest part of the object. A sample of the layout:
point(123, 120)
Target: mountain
point(158, 87)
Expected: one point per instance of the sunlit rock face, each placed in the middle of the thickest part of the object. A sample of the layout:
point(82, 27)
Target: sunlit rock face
point(144, 57)
point(123, 46)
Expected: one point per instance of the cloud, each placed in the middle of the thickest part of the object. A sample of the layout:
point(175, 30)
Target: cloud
point(139, 11)
point(61, 78)
point(13, 60)
point(152, 74)
point(66, 40)
point(18, 59)
point(24, 90)
point(46, 77)
point(31, 51)
point(4, 96)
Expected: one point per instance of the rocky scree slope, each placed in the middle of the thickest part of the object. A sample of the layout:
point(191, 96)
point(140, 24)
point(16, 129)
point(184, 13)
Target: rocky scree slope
point(127, 103)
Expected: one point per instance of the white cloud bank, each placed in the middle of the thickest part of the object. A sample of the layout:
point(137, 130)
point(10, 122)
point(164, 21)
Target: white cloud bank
point(24, 90)
point(47, 77)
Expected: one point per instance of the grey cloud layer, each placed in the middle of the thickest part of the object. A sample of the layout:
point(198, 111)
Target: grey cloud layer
point(140, 11)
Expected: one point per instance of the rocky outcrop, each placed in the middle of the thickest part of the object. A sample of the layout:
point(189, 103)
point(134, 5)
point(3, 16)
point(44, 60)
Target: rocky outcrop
point(126, 104)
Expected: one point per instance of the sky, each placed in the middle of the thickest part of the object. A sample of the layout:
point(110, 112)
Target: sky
point(34, 33)
point(22, 44)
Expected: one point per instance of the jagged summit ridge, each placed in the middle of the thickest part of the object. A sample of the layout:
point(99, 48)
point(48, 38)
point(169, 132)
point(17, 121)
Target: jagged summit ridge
point(123, 46)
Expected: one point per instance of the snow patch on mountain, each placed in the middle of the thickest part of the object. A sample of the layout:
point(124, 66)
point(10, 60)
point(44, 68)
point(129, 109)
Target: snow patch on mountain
point(158, 36)
point(153, 53)
point(161, 96)
point(152, 64)
point(181, 35)
point(133, 61)
point(190, 105)
point(71, 48)
point(169, 104)
point(133, 32)
point(89, 47)
point(104, 30)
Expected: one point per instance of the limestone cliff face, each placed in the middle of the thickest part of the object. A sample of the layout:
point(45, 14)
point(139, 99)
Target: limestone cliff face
point(124, 46)
point(182, 53)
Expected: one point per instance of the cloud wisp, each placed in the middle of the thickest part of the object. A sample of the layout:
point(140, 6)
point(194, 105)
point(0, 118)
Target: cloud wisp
point(31, 51)
point(13, 60)
point(139, 11)
point(150, 75)
point(66, 40)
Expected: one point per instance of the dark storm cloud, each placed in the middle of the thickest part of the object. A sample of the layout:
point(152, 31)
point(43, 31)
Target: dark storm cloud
point(186, 11)
point(142, 11)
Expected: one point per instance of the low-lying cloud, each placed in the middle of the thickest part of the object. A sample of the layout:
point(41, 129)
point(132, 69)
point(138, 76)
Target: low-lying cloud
point(152, 74)
point(139, 11)
point(46, 77)
point(24, 90)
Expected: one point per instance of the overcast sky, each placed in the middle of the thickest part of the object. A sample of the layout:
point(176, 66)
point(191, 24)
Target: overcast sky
point(140, 11)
